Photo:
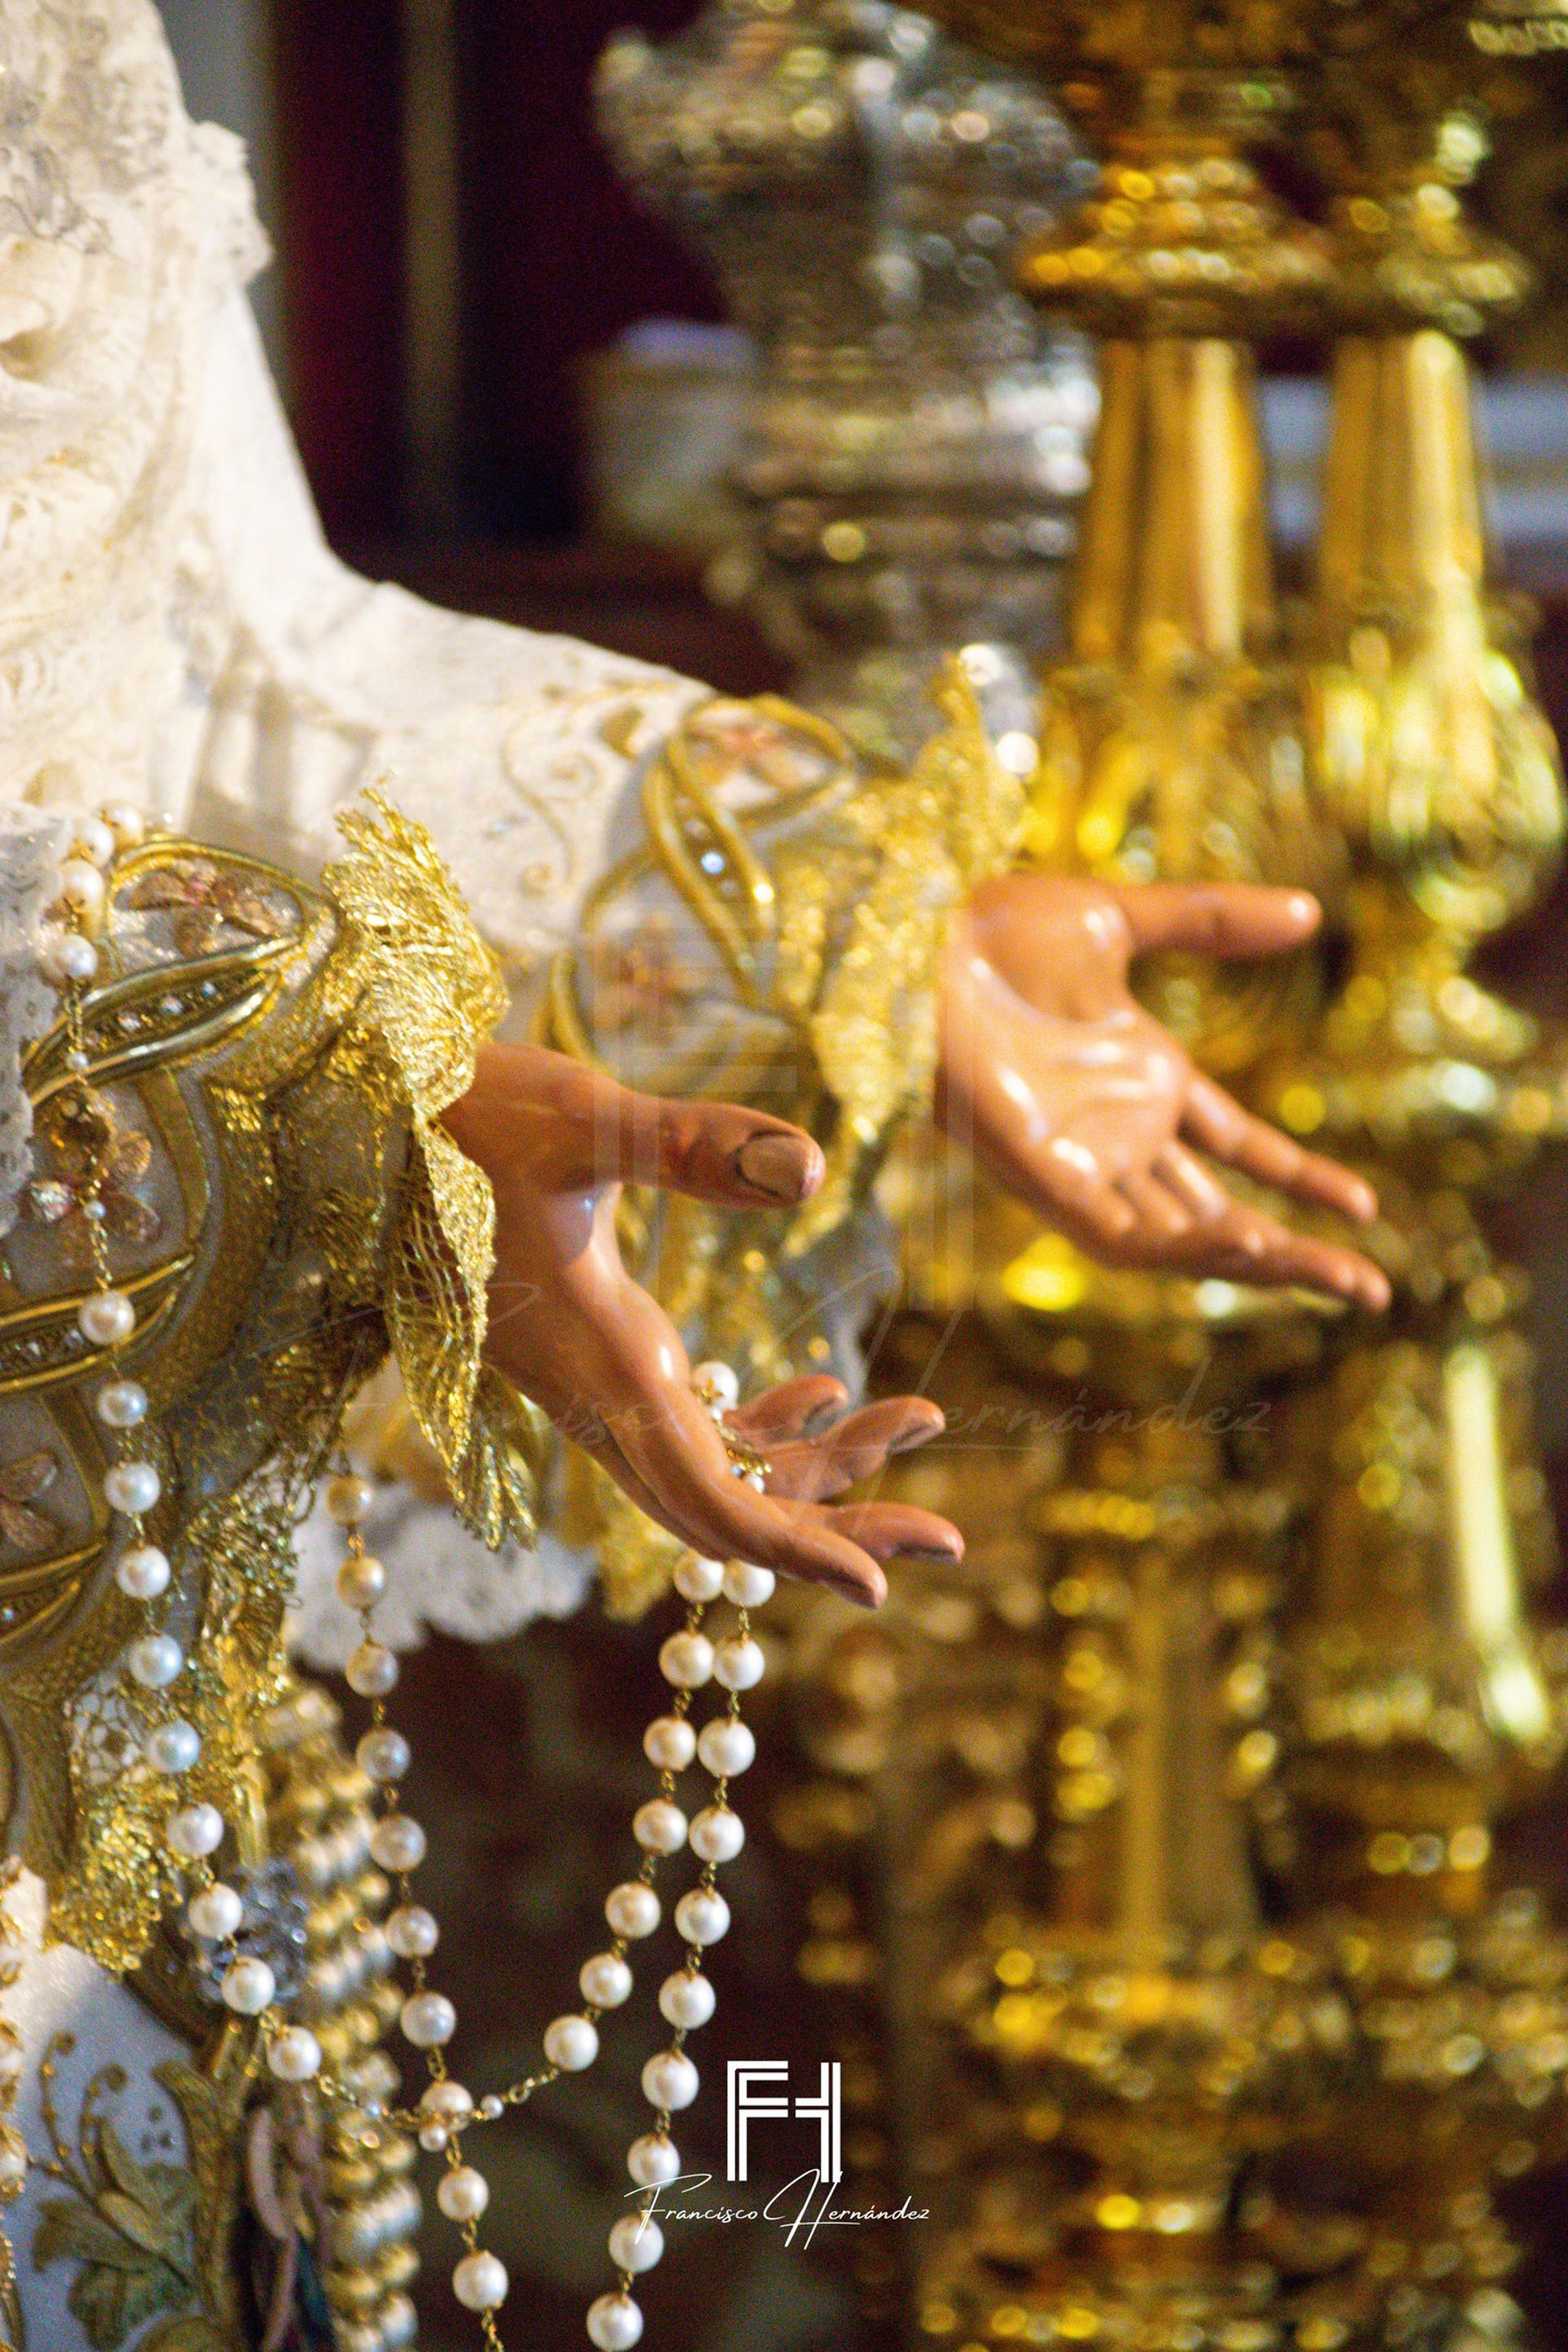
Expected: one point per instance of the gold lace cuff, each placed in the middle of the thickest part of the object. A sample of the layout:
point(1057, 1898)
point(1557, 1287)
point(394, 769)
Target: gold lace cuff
point(431, 992)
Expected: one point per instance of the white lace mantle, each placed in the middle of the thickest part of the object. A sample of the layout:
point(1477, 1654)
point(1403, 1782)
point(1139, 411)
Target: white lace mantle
point(31, 845)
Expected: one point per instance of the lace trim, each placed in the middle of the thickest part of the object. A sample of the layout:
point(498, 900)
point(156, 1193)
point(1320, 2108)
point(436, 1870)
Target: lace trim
point(431, 993)
point(31, 845)
point(440, 1579)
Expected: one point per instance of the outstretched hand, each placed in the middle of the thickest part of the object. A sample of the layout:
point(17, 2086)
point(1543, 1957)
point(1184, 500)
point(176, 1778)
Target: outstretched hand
point(1093, 1114)
point(594, 1350)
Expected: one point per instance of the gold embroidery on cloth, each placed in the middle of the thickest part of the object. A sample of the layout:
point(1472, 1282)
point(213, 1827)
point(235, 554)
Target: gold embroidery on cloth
point(310, 1210)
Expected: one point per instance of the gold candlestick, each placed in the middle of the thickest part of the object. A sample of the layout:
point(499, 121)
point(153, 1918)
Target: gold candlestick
point(1413, 1705)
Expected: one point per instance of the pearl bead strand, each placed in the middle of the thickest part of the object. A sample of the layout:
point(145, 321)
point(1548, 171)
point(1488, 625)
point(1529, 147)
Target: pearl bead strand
point(132, 1484)
point(688, 1660)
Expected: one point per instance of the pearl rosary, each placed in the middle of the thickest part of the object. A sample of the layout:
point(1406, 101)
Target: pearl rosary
point(688, 1660)
point(171, 1746)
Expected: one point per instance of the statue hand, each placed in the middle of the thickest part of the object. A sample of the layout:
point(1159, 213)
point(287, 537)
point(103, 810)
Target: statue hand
point(576, 1334)
point(1088, 1110)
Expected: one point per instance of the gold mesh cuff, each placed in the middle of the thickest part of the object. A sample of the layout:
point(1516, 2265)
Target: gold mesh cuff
point(431, 992)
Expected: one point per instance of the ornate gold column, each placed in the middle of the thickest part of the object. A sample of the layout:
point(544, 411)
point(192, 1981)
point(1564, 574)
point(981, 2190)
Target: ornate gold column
point(1256, 2018)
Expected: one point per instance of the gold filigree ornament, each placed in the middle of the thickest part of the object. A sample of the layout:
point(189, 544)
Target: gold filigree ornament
point(803, 899)
point(288, 1212)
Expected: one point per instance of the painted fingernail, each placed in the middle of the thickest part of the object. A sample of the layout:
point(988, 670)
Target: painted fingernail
point(913, 1434)
point(782, 1166)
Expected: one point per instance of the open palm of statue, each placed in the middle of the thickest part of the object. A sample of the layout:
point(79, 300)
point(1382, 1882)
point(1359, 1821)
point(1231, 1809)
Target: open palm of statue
point(1088, 1109)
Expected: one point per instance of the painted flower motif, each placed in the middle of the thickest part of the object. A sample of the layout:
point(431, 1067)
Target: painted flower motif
point(96, 1162)
point(207, 898)
point(21, 1483)
point(742, 737)
point(638, 982)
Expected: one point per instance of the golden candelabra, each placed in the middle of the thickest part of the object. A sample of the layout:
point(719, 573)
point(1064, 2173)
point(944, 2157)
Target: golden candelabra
point(1179, 1817)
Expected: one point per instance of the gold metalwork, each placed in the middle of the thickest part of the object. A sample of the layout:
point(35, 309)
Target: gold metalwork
point(1247, 1631)
point(311, 1211)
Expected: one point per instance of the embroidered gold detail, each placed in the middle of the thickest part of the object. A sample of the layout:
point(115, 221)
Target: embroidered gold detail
point(431, 993)
point(291, 1089)
point(146, 2236)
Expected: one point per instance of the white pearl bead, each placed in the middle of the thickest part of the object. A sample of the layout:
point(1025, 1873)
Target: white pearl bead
point(248, 1986)
point(719, 1383)
point(412, 1932)
point(605, 1980)
point(717, 1833)
point(614, 2323)
point(687, 1661)
point(121, 1403)
point(698, 1580)
point(82, 885)
point(463, 2193)
point(480, 2283)
point(636, 2243)
point(398, 1844)
point(571, 2044)
point(396, 2325)
point(383, 1755)
point(155, 1661)
point(13, 2166)
point(125, 822)
point(727, 1747)
point(686, 2000)
point(371, 1670)
point(195, 1831)
point(433, 2137)
point(143, 1572)
point(491, 2109)
point(92, 838)
point(447, 2102)
point(702, 1916)
point(215, 1912)
point(294, 2055)
point(347, 1498)
point(361, 1581)
point(70, 959)
point(632, 1909)
point(749, 1587)
point(429, 2019)
point(653, 2160)
point(131, 1487)
point(739, 1663)
point(173, 1746)
point(658, 1826)
point(106, 1318)
point(669, 1743)
point(669, 2079)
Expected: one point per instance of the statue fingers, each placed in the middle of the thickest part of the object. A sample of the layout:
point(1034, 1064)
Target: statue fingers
point(1247, 1246)
point(1214, 1121)
point(1161, 1211)
point(680, 1458)
point(857, 1448)
point(1220, 918)
point(890, 1531)
point(794, 1409)
point(567, 1128)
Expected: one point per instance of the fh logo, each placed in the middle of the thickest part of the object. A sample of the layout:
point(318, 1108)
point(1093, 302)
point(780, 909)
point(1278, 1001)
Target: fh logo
point(747, 2105)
